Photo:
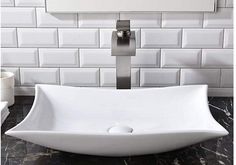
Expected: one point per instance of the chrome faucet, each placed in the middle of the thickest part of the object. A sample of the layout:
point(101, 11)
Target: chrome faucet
point(123, 47)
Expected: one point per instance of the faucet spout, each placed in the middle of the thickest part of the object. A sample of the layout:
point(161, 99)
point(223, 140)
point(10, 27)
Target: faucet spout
point(123, 47)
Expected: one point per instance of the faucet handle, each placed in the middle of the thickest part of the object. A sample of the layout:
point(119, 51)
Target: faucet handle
point(123, 28)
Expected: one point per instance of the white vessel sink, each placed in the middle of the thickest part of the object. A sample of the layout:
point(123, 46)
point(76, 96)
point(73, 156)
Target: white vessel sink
point(113, 122)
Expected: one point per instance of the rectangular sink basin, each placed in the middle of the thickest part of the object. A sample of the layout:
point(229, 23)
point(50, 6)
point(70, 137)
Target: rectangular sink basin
point(110, 122)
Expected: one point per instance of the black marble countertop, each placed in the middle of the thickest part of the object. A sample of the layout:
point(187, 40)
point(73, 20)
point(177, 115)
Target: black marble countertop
point(212, 152)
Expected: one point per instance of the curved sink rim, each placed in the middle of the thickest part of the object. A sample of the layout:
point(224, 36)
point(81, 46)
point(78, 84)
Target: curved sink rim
point(14, 130)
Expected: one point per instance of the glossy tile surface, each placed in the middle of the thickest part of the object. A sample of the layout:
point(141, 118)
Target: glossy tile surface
point(212, 152)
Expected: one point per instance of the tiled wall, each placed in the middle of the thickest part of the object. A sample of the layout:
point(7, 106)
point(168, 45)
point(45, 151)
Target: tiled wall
point(74, 49)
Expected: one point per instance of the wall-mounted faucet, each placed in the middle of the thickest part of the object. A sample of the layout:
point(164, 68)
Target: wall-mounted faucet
point(123, 47)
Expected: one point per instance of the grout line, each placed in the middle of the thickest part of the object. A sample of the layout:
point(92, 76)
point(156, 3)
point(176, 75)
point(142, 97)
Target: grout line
point(59, 76)
point(99, 38)
point(203, 18)
point(220, 77)
point(78, 59)
point(180, 70)
point(161, 20)
point(223, 38)
point(133, 12)
point(139, 84)
point(77, 20)
point(99, 77)
point(45, 6)
point(23, 6)
point(181, 37)
point(160, 58)
point(38, 57)
point(140, 37)
point(201, 57)
point(224, 4)
point(143, 48)
point(17, 38)
point(58, 45)
point(144, 28)
point(20, 76)
point(36, 20)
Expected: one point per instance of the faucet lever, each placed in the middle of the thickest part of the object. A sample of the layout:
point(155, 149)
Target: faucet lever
point(123, 28)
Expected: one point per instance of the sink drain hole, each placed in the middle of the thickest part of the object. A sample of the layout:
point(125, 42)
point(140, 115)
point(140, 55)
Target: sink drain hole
point(120, 129)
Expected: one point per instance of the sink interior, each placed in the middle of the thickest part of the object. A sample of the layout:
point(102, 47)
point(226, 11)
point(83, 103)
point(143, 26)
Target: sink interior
point(94, 111)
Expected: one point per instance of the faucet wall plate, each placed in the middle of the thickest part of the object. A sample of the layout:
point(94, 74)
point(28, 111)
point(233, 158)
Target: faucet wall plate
point(112, 122)
point(123, 25)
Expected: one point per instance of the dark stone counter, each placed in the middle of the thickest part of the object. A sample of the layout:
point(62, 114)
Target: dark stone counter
point(212, 152)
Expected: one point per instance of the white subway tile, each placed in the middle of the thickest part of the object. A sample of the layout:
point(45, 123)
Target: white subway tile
point(30, 2)
point(227, 78)
point(55, 20)
point(32, 76)
point(108, 77)
point(85, 38)
point(229, 3)
point(79, 76)
point(32, 37)
point(18, 17)
point(217, 58)
point(7, 3)
point(96, 58)
point(210, 77)
point(8, 37)
point(16, 73)
point(24, 91)
point(221, 3)
point(58, 57)
point(202, 38)
point(146, 58)
point(180, 58)
point(106, 35)
point(103, 58)
point(98, 19)
point(142, 19)
point(182, 20)
point(228, 38)
point(170, 38)
point(219, 80)
point(22, 57)
point(137, 37)
point(159, 77)
point(221, 92)
point(223, 18)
